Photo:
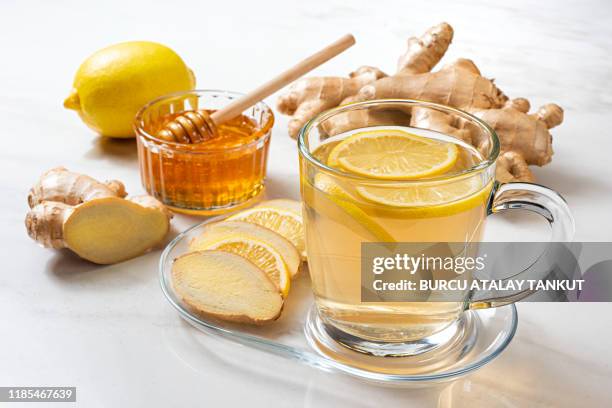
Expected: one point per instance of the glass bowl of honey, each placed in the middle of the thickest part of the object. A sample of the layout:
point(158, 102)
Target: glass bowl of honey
point(211, 177)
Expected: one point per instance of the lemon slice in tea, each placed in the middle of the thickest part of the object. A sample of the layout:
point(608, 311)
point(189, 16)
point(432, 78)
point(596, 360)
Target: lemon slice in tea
point(430, 198)
point(393, 154)
point(346, 203)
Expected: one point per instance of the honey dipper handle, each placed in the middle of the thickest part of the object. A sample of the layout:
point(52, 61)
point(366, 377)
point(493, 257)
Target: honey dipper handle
point(239, 105)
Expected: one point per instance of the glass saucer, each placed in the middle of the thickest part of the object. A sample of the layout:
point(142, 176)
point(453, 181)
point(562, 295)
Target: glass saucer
point(299, 334)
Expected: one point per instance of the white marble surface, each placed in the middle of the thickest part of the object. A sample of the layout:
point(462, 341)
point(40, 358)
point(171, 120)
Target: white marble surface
point(108, 330)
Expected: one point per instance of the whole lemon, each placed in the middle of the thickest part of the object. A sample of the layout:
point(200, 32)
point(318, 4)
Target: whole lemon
point(114, 83)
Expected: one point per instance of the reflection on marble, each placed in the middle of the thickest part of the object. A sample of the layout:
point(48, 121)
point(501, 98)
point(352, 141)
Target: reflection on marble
point(529, 374)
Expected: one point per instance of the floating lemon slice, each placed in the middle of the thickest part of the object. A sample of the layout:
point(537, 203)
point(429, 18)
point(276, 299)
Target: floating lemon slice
point(429, 198)
point(393, 154)
point(346, 203)
point(281, 216)
point(259, 253)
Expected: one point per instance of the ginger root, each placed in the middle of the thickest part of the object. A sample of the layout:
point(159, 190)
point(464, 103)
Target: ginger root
point(70, 188)
point(308, 97)
point(525, 137)
point(93, 219)
point(525, 134)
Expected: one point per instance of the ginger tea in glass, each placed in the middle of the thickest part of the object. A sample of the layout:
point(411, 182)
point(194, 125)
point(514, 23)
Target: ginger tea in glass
point(382, 171)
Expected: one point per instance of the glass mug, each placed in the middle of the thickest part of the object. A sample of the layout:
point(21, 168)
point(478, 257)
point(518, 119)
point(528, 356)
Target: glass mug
point(344, 209)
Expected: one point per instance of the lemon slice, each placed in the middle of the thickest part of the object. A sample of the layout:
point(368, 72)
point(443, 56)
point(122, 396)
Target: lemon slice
point(393, 154)
point(430, 198)
point(284, 203)
point(342, 199)
point(281, 216)
point(259, 253)
point(228, 229)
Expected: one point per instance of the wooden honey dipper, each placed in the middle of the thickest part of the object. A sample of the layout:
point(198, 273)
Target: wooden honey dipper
point(198, 126)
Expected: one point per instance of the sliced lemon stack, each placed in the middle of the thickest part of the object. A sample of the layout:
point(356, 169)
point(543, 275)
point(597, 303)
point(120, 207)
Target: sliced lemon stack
point(273, 254)
point(219, 231)
point(281, 216)
point(268, 241)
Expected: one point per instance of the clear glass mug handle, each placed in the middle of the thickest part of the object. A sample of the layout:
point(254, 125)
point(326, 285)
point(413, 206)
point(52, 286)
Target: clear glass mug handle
point(537, 199)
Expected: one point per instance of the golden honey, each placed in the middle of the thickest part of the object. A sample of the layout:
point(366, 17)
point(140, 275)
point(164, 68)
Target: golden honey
point(209, 177)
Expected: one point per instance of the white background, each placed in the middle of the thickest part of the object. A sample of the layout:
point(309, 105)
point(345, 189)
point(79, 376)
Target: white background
point(108, 330)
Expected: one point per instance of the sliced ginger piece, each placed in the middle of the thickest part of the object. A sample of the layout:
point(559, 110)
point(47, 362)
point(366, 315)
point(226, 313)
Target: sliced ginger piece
point(226, 286)
point(226, 229)
point(111, 230)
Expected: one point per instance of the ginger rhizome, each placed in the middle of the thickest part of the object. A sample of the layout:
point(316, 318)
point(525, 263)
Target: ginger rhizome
point(93, 219)
point(311, 96)
point(525, 138)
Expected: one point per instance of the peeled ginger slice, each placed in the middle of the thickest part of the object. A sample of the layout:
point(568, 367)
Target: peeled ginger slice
point(226, 286)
